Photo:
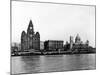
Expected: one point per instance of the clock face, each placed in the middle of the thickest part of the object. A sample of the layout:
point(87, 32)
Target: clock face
point(30, 27)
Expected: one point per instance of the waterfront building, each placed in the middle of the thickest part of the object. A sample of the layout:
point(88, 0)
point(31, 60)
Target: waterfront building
point(77, 45)
point(30, 40)
point(53, 45)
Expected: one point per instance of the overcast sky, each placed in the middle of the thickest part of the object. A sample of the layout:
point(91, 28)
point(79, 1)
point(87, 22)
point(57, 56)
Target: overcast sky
point(54, 21)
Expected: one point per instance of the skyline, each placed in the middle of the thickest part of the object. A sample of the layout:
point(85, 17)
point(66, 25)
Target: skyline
point(53, 22)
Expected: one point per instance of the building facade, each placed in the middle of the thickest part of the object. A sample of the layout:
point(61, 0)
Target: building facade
point(77, 45)
point(53, 45)
point(30, 40)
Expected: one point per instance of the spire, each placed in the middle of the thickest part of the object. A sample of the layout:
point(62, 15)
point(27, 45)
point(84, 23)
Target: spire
point(30, 23)
point(30, 29)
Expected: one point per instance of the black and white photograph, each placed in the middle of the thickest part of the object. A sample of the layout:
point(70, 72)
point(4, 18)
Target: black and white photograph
point(52, 37)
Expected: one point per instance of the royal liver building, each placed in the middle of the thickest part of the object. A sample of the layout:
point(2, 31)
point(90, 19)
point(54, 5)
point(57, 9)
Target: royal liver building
point(30, 39)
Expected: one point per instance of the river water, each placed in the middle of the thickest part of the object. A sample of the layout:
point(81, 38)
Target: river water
point(51, 63)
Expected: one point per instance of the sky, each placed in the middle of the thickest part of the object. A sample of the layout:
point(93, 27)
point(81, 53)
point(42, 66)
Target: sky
point(54, 21)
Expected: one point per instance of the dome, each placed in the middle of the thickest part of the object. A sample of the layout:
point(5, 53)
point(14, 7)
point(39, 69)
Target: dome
point(23, 34)
point(77, 39)
point(37, 34)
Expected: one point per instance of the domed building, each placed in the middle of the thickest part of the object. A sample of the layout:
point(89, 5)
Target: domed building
point(77, 39)
point(30, 40)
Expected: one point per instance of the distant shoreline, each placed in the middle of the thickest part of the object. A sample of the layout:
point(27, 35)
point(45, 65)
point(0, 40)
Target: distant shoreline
point(52, 54)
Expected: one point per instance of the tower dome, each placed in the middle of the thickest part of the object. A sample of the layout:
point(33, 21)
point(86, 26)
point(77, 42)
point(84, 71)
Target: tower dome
point(23, 34)
point(37, 34)
point(77, 39)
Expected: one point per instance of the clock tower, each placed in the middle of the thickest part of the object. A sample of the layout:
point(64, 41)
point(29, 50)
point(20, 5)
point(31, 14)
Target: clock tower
point(30, 33)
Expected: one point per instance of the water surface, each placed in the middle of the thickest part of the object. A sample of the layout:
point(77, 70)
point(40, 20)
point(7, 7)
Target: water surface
point(50, 63)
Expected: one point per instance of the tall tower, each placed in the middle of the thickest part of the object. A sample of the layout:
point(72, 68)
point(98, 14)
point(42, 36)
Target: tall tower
point(30, 40)
point(30, 33)
point(30, 30)
point(23, 41)
point(37, 41)
point(71, 42)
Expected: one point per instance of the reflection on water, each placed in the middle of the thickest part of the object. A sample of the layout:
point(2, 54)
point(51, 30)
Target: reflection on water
point(48, 63)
